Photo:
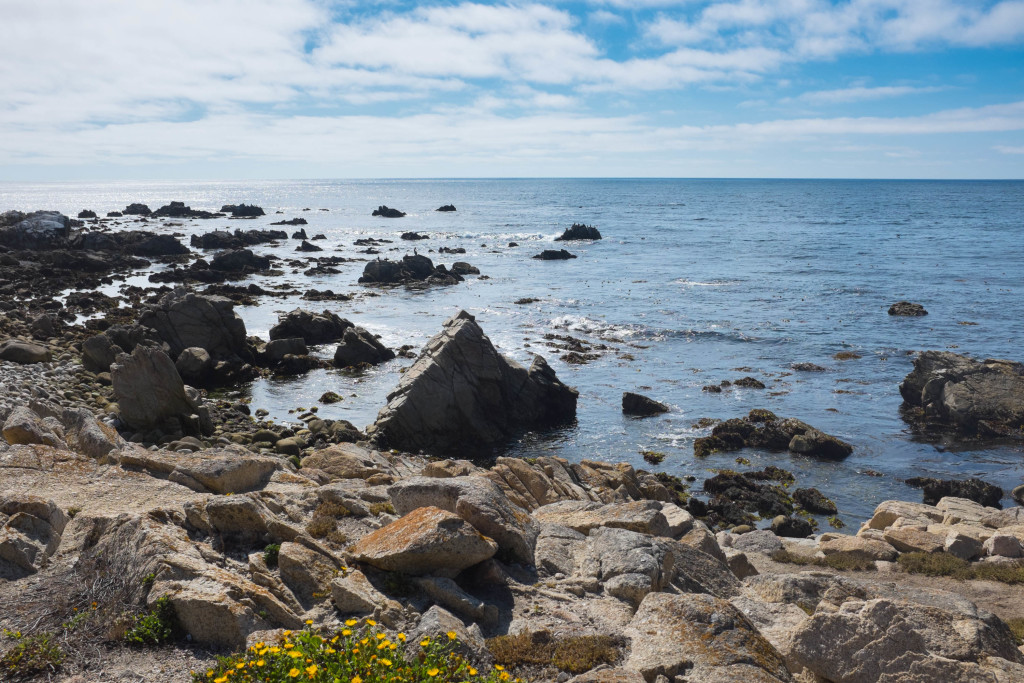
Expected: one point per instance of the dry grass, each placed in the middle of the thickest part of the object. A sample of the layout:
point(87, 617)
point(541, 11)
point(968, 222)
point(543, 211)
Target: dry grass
point(847, 562)
point(944, 564)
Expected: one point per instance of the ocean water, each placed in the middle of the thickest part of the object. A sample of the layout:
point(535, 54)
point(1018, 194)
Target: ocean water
point(695, 282)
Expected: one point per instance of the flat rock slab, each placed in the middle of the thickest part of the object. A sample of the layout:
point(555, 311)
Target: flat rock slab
point(428, 540)
point(643, 516)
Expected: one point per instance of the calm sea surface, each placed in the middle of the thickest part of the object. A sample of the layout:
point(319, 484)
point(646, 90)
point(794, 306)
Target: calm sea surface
point(695, 282)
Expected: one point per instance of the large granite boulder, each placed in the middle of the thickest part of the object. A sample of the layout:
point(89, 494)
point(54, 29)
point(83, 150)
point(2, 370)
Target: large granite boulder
point(701, 637)
point(953, 391)
point(477, 500)
point(184, 320)
point(428, 540)
point(149, 389)
point(892, 640)
point(315, 328)
point(462, 395)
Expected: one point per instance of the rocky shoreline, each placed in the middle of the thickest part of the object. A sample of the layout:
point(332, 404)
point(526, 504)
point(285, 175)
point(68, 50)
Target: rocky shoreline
point(125, 484)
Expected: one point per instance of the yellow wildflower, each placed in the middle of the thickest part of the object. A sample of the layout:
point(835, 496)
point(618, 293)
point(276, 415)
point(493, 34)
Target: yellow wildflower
point(240, 665)
point(371, 622)
point(357, 679)
point(433, 672)
point(311, 670)
point(386, 662)
point(275, 650)
point(346, 632)
point(351, 622)
point(260, 662)
point(472, 671)
point(330, 650)
point(294, 655)
point(401, 637)
point(452, 635)
point(288, 646)
point(220, 680)
point(499, 667)
point(425, 642)
point(392, 647)
point(504, 676)
point(287, 633)
point(294, 673)
point(381, 636)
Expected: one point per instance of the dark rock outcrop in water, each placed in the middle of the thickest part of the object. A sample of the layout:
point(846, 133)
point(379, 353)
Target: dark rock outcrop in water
point(39, 230)
point(150, 392)
point(979, 491)
point(641, 406)
point(359, 346)
point(86, 213)
point(461, 395)
point(294, 221)
point(762, 429)
point(579, 231)
point(240, 260)
point(242, 210)
point(179, 210)
point(414, 269)
point(554, 255)
point(308, 246)
point(907, 308)
point(137, 210)
point(949, 391)
point(222, 239)
point(387, 212)
point(446, 208)
point(184, 320)
point(314, 328)
point(414, 236)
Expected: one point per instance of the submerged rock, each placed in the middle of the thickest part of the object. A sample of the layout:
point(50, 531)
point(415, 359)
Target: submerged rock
point(907, 308)
point(762, 429)
point(462, 395)
point(446, 208)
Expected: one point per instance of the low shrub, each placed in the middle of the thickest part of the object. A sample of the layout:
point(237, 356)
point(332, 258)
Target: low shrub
point(574, 654)
point(31, 656)
point(944, 564)
point(154, 627)
point(352, 655)
point(377, 509)
point(1017, 628)
point(847, 562)
point(271, 553)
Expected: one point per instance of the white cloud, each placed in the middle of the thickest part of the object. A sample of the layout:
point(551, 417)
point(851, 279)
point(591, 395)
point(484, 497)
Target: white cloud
point(861, 93)
point(1004, 149)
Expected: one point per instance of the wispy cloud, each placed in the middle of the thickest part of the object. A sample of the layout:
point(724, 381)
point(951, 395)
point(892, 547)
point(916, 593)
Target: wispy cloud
point(859, 94)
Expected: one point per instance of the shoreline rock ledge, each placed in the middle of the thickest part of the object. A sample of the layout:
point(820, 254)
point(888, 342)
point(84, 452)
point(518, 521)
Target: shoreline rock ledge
point(462, 396)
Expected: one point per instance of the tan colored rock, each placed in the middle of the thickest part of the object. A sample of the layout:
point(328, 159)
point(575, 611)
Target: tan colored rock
point(855, 545)
point(446, 593)
point(306, 572)
point(701, 538)
point(739, 563)
point(443, 469)
point(881, 639)
point(354, 594)
point(23, 426)
point(1004, 545)
point(428, 540)
point(232, 469)
point(1000, 518)
point(981, 533)
point(609, 676)
point(348, 461)
point(702, 637)
point(477, 500)
point(680, 522)
point(556, 549)
point(963, 546)
point(914, 541)
point(889, 511)
point(644, 517)
point(88, 436)
point(776, 621)
point(956, 510)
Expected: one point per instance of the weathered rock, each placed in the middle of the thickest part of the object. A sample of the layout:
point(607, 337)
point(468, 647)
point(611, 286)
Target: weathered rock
point(476, 500)
point(814, 501)
point(149, 390)
point(194, 364)
point(308, 573)
point(1004, 545)
point(907, 308)
point(841, 544)
point(39, 230)
point(185, 320)
point(702, 637)
point(910, 540)
point(354, 594)
point(761, 541)
point(315, 328)
point(277, 349)
point(86, 435)
point(762, 429)
point(963, 546)
point(641, 516)
point(971, 397)
point(883, 639)
point(387, 212)
point(30, 534)
point(23, 426)
point(556, 549)
point(23, 352)
point(791, 527)
point(579, 231)
point(976, 490)
point(608, 676)
point(1008, 517)
point(348, 461)
point(240, 260)
point(438, 620)
point(635, 404)
point(739, 563)
point(359, 346)
point(447, 593)
point(229, 470)
point(462, 395)
point(137, 210)
point(428, 540)
point(889, 511)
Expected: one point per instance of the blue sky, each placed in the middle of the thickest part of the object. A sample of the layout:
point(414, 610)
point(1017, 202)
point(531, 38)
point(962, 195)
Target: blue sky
point(201, 89)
